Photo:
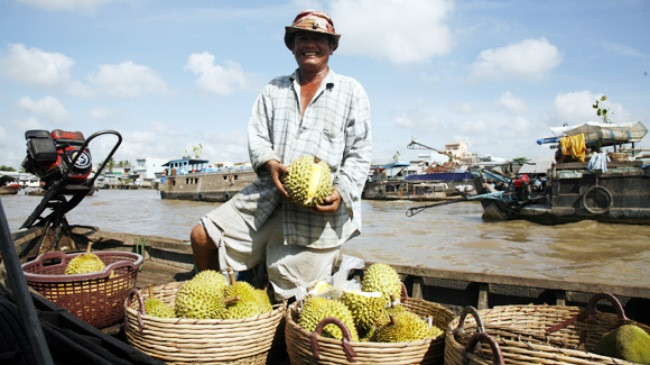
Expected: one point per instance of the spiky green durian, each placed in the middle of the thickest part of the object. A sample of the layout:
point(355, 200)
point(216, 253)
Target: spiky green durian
point(199, 300)
point(382, 278)
point(628, 342)
point(308, 181)
point(85, 263)
point(366, 308)
point(247, 303)
point(403, 327)
point(264, 300)
point(212, 277)
point(156, 307)
point(315, 309)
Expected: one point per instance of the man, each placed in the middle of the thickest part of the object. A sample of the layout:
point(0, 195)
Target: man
point(313, 111)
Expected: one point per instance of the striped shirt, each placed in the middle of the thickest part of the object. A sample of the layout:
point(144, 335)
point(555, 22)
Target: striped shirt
point(336, 129)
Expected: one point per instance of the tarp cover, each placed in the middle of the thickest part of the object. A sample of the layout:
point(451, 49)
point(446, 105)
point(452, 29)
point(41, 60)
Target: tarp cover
point(604, 133)
point(441, 176)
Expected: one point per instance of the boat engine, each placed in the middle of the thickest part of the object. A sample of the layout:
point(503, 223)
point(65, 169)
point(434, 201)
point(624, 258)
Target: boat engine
point(51, 154)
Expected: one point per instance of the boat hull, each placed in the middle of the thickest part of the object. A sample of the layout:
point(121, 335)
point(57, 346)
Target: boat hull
point(621, 195)
point(209, 187)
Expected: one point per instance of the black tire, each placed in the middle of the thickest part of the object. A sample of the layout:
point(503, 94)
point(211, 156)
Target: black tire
point(597, 200)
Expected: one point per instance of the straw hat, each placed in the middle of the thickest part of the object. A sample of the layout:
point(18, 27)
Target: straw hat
point(311, 21)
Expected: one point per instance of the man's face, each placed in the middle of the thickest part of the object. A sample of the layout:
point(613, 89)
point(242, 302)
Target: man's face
point(312, 51)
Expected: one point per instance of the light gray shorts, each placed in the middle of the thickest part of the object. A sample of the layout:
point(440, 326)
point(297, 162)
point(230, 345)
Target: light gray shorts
point(242, 248)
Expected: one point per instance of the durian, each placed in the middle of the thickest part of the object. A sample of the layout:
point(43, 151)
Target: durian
point(85, 263)
point(628, 342)
point(366, 308)
point(156, 307)
point(405, 326)
point(246, 301)
point(212, 277)
point(382, 278)
point(308, 181)
point(199, 300)
point(315, 309)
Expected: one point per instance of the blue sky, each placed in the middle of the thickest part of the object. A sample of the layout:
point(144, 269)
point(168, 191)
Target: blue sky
point(169, 75)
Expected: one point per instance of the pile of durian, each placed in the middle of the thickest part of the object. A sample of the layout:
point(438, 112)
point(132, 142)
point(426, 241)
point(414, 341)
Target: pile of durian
point(371, 314)
point(309, 181)
point(628, 342)
point(209, 295)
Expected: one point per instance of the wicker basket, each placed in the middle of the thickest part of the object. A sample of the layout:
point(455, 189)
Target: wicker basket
point(535, 334)
point(311, 348)
point(204, 341)
point(95, 298)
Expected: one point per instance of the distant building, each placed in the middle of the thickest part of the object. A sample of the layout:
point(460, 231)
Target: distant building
point(148, 169)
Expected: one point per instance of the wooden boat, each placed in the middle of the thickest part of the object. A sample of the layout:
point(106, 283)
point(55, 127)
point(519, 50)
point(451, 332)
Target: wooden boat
point(205, 186)
point(169, 260)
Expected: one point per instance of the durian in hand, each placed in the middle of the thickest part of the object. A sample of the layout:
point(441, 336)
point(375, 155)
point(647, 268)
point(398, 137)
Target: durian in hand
point(315, 309)
point(199, 299)
point(156, 307)
point(382, 278)
point(366, 309)
point(405, 326)
point(85, 263)
point(308, 181)
point(628, 342)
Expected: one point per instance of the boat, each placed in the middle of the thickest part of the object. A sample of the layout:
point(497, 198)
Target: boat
point(193, 179)
point(614, 190)
point(8, 185)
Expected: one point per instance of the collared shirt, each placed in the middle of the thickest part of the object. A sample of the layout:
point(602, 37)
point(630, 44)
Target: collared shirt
point(336, 129)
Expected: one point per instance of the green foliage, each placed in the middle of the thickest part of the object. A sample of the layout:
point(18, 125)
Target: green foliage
point(601, 109)
point(7, 168)
point(521, 160)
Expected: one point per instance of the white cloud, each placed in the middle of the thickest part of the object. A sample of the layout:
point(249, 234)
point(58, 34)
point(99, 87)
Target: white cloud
point(35, 66)
point(401, 31)
point(127, 79)
point(100, 114)
point(48, 107)
point(216, 79)
point(530, 59)
point(403, 121)
point(512, 103)
point(67, 5)
point(576, 107)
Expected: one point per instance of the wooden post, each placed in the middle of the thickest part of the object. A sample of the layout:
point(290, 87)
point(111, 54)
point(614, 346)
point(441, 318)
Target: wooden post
point(560, 297)
point(416, 289)
point(483, 290)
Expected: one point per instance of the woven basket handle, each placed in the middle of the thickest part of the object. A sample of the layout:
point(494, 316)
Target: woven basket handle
point(345, 342)
point(590, 312)
point(140, 311)
point(497, 356)
point(460, 331)
point(405, 293)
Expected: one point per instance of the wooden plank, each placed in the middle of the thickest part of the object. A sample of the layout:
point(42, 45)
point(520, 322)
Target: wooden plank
point(483, 291)
point(560, 297)
point(416, 289)
point(635, 289)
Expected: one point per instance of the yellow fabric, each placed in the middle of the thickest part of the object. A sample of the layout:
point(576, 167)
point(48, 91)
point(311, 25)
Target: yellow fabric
point(574, 146)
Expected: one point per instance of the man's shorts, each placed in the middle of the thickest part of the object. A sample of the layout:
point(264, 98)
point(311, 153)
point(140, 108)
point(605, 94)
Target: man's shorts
point(242, 248)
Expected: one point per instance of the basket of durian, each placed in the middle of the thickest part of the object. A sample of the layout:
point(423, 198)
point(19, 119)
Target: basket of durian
point(547, 334)
point(377, 324)
point(92, 286)
point(209, 320)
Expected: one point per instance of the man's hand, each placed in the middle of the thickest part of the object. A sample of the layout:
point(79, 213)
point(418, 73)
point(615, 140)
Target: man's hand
point(277, 170)
point(332, 203)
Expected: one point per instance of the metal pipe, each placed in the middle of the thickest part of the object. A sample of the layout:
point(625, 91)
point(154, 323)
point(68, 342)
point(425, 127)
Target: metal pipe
point(18, 284)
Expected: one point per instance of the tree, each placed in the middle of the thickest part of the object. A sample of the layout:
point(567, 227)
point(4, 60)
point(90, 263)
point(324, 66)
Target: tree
point(7, 168)
point(601, 109)
point(521, 160)
point(396, 156)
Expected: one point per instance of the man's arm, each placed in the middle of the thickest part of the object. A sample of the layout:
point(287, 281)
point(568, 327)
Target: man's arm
point(260, 147)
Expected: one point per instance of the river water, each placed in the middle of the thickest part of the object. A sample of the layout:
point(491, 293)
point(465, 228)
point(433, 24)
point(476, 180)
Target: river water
point(447, 237)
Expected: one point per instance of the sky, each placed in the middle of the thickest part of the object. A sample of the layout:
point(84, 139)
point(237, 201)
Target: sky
point(172, 75)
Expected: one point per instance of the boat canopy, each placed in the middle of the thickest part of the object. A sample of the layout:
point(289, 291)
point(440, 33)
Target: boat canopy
point(604, 134)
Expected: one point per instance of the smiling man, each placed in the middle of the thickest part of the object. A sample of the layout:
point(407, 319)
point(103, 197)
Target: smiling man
point(313, 111)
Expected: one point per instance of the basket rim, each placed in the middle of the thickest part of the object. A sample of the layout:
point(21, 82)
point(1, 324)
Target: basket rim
point(135, 262)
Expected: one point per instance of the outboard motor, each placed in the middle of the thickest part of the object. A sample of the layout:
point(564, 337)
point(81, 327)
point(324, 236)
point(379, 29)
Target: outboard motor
point(51, 154)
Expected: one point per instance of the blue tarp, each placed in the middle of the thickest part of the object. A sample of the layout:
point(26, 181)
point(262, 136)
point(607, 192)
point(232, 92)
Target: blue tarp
point(441, 176)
